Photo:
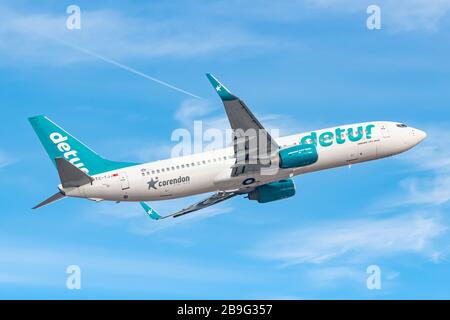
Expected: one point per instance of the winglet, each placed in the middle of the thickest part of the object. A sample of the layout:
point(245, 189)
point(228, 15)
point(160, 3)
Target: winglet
point(151, 213)
point(221, 90)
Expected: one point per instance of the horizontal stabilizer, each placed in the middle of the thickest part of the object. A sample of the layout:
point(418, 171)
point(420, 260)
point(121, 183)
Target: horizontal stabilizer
point(70, 175)
point(53, 198)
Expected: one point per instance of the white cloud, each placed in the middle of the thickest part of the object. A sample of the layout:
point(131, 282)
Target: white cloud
point(151, 226)
point(397, 15)
point(360, 238)
point(192, 109)
point(200, 110)
point(22, 263)
point(153, 152)
point(135, 219)
point(118, 211)
point(119, 36)
point(6, 278)
point(431, 155)
point(427, 190)
point(116, 35)
point(430, 161)
point(414, 15)
point(333, 276)
point(5, 159)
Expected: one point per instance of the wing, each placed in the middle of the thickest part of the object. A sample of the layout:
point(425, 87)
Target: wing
point(215, 198)
point(253, 146)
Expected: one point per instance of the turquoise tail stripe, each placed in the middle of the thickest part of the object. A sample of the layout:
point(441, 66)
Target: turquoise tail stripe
point(59, 143)
point(151, 213)
point(221, 90)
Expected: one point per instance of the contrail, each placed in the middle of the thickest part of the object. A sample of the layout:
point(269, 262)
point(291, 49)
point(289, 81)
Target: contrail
point(120, 65)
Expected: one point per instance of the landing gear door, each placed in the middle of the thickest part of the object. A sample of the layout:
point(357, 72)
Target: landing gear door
point(124, 183)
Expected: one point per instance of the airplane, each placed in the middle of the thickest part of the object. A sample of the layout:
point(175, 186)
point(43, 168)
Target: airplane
point(255, 165)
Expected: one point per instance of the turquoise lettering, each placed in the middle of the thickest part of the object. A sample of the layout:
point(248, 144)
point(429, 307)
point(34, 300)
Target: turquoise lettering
point(339, 136)
point(326, 139)
point(310, 139)
point(351, 137)
point(369, 131)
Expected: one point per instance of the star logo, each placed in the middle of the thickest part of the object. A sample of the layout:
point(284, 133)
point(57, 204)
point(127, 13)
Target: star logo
point(218, 88)
point(152, 183)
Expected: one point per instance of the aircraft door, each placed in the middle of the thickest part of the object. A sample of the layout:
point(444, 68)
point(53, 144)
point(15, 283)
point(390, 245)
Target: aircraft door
point(384, 131)
point(124, 183)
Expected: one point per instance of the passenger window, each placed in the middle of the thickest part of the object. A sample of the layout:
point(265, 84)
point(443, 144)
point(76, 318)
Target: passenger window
point(178, 167)
point(187, 165)
point(153, 171)
point(182, 165)
point(157, 170)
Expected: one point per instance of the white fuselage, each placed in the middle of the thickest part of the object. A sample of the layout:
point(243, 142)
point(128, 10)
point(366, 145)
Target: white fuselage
point(211, 171)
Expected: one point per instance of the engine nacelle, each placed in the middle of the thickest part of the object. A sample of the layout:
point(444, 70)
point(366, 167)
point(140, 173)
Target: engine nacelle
point(298, 156)
point(273, 191)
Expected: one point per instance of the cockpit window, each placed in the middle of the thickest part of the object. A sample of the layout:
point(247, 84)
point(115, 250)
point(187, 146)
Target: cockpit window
point(401, 125)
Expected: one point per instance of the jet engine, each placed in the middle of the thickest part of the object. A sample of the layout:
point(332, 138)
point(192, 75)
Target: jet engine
point(298, 156)
point(273, 191)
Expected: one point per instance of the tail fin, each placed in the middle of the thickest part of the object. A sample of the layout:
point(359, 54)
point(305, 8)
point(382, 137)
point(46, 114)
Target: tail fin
point(60, 144)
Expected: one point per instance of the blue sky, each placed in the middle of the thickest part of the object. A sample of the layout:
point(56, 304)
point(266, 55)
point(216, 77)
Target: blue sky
point(299, 65)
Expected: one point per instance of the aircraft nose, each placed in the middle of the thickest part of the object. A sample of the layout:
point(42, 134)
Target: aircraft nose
point(419, 135)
